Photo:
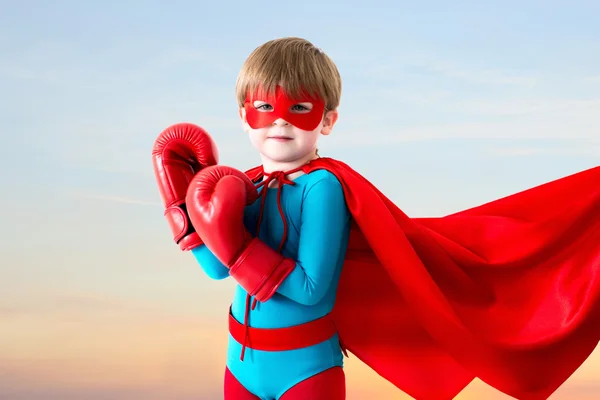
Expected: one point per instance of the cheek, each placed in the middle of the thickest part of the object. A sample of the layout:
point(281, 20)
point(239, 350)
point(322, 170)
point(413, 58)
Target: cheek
point(257, 136)
point(308, 138)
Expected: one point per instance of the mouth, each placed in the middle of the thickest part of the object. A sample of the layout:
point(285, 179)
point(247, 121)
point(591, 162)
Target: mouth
point(281, 138)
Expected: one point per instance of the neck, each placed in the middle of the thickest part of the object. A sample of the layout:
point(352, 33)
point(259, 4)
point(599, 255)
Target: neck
point(270, 166)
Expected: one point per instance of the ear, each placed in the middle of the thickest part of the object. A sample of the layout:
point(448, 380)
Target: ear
point(242, 113)
point(329, 121)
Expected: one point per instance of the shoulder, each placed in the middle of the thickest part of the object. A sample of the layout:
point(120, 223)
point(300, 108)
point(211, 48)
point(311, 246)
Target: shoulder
point(324, 193)
point(323, 185)
point(322, 178)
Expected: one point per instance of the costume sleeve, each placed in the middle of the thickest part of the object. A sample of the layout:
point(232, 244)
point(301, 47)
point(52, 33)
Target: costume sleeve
point(325, 225)
point(209, 263)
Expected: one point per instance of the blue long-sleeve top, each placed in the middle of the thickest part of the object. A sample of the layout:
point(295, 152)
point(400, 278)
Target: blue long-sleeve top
point(318, 230)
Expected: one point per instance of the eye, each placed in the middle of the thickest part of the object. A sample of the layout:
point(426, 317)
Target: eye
point(301, 108)
point(261, 106)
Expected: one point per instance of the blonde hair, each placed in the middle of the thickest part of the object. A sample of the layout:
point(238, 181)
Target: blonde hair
point(296, 65)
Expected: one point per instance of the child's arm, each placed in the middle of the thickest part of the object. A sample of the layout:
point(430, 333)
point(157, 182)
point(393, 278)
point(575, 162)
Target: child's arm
point(225, 191)
point(209, 263)
point(323, 237)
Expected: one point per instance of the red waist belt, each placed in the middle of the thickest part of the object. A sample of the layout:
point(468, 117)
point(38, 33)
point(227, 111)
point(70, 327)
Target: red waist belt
point(281, 339)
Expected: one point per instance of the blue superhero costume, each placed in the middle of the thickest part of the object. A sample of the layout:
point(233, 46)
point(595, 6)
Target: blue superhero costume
point(318, 228)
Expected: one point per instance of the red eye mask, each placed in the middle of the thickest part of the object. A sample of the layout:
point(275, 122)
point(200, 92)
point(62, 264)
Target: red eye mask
point(282, 108)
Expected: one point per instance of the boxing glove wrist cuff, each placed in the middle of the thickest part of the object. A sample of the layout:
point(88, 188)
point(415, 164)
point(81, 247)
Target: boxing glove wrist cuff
point(183, 231)
point(260, 270)
point(190, 242)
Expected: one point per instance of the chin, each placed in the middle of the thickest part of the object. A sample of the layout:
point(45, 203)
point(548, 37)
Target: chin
point(283, 156)
point(280, 158)
point(278, 154)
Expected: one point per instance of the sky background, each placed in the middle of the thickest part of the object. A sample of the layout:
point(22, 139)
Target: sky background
point(445, 106)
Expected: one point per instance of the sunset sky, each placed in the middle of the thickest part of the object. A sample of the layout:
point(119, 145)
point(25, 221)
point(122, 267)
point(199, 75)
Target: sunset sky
point(444, 107)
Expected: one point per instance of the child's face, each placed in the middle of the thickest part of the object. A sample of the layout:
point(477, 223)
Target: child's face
point(290, 139)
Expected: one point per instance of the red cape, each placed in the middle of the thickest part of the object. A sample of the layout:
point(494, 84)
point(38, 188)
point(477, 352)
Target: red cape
point(508, 292)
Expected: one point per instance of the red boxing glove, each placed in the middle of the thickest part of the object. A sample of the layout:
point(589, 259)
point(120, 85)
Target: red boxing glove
point(181, 151)
point(216, 198)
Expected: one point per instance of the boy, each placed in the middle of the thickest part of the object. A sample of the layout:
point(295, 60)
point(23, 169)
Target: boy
point(322, 257)
point(312, 229)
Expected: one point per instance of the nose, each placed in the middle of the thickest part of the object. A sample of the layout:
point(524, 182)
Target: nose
point(280, 122)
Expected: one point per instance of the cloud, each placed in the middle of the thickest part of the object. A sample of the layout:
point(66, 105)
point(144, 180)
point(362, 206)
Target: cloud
point(9, 311)
point(24, 73)
point(485, 76)
point(121, 353)
point(582, 150)
point(422, 98)
point(117, 136)
point(60, 63)
point(453, 72)
point(183, 56)
point(469, 104)
point(66, 302)
point(550, 107)
point(575, 389)
point(539, 130)
point(82, 301)
point(114, 199)
point(440, 115)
